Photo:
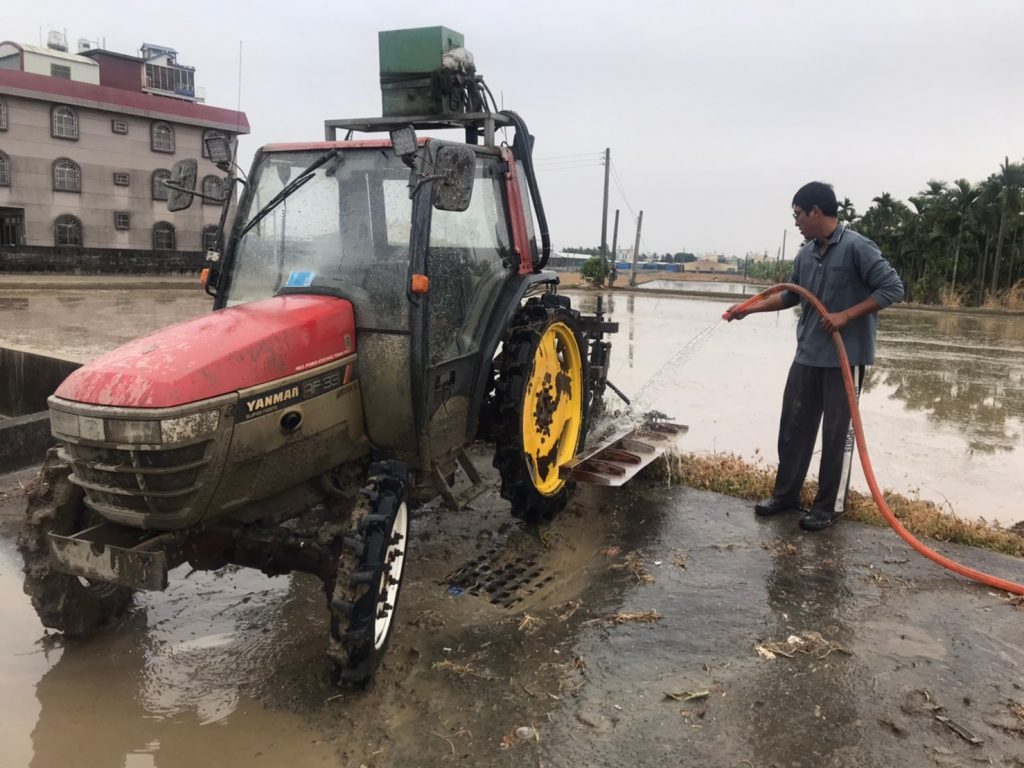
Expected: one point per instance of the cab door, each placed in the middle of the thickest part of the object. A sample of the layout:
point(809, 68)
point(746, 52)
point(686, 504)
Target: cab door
point(469, 259)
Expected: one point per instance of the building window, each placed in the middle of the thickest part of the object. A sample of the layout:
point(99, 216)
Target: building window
point(213, 187)
point(119, 126)
point(173, 79)
point(60, 70)
point(67, 176)
point(163, 236)
point(162, 137)
point(160, 192)
point(210, 237)
point(64, 123)
point(121, 178)
point(67, 230)
point(122, 220)
point(5, 170)
point(3, 115)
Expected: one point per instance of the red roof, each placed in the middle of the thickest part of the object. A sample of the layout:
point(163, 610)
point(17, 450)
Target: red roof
point(55, 89)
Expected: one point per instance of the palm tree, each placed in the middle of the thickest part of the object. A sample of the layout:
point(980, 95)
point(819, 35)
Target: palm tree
point(886, 222)
point(960, 200)
point(847, 212)
point(1011, 177)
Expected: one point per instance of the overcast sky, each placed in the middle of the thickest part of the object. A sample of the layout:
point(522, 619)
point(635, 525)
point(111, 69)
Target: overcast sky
point(715, 112)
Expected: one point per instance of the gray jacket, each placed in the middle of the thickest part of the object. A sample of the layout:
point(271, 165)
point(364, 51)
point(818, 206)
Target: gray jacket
point(851, 270)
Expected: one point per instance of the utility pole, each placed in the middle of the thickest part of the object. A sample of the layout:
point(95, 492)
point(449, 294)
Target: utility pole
point(604, 215)
point(636, 250)
point(615, 242)
point(782, 256)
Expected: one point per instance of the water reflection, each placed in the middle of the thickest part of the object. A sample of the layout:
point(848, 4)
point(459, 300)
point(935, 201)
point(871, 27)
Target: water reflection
point(963, 371)
point(805, 706)
point(167, 687)
point(702, 286)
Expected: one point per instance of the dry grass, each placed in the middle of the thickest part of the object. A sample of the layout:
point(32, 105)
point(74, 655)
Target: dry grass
point(954, 299)
point(1009, 298)
point(812, 643)
point(462, 670)
point(634, 565)
point(629, 617)
point(731, 475)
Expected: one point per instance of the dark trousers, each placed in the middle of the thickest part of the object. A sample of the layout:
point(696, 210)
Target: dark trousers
point(813, 397)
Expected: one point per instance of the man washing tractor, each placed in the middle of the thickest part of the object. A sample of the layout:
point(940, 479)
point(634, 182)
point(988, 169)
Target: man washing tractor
point(849, 275)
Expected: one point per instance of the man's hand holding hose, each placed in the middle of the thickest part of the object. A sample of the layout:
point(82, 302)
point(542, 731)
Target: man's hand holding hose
point(771, 303)
point(831, 322)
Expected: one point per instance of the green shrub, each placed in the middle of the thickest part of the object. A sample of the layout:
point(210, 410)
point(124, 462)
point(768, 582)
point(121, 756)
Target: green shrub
point(593, 270)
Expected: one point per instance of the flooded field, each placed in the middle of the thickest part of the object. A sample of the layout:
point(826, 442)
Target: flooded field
point(701, 286)
point(943, 407)
point(78, 325)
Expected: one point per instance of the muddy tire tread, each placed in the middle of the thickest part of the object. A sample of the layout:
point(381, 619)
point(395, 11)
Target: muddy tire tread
point(354, 598)
point(61, 601)
point(516, 361)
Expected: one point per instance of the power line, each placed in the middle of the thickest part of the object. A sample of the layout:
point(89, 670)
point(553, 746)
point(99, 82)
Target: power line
point(567, 161)
point(560, 163)
point(625, 197)
point(555, 169)
point(594, 155)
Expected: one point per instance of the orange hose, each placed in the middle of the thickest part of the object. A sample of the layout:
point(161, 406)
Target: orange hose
point(862, 449)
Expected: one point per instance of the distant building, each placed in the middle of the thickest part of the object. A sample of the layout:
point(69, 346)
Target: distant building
point(708, 265)
point(86, 140)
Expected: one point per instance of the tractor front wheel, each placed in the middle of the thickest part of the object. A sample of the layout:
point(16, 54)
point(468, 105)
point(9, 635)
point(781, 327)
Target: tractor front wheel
point(540, 402)
point(72, 605)
point(365, 594)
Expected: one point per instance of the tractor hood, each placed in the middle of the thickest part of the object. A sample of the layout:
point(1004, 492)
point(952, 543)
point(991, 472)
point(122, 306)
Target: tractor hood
point(218, 353)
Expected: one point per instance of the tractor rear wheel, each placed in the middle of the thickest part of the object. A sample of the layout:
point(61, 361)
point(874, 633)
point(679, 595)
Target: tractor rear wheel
point(365, 594)
point(72, 605)
point(540, 400)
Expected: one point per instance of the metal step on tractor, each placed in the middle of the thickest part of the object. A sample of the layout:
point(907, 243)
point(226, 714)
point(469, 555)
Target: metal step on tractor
point(379, 303)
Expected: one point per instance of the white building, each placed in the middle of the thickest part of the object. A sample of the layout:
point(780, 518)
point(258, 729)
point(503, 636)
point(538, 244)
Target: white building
point(86, 140)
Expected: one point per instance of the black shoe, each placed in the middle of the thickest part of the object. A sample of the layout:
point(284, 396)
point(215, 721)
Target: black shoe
point(818, 520)
point(775, 506)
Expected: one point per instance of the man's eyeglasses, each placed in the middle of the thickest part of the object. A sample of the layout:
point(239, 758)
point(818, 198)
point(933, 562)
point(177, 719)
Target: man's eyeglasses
point(797, 213)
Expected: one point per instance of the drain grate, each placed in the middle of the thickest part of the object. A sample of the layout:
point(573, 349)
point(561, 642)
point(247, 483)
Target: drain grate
point(504, 583)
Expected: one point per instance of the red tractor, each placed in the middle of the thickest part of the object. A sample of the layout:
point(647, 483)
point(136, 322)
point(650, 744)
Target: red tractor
point(379, 304)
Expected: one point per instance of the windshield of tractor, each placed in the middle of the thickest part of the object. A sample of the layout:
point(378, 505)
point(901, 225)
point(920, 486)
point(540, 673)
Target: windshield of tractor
point(349, 220)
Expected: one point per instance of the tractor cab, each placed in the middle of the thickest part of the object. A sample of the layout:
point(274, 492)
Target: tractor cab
point(430, 241)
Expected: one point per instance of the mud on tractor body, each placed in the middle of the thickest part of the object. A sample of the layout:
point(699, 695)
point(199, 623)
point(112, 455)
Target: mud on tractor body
point(378, 305)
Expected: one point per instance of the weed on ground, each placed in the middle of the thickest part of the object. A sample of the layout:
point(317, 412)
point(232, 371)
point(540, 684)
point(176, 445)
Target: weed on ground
point(731, 475)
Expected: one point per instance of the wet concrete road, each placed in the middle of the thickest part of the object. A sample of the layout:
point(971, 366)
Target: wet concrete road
point(228, 669)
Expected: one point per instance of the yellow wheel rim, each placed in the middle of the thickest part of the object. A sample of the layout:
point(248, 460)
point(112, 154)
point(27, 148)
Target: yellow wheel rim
point(553, 407)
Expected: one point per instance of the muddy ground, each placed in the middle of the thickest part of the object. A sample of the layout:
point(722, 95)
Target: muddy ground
point(898, 663)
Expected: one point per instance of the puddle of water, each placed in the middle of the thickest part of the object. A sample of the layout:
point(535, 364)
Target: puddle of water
point(22, 661)
point(167, 687)
point(943, 407)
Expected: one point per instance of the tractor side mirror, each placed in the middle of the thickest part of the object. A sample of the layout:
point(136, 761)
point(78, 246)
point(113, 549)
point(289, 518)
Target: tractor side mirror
point(182, 184)
point(454, 171)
